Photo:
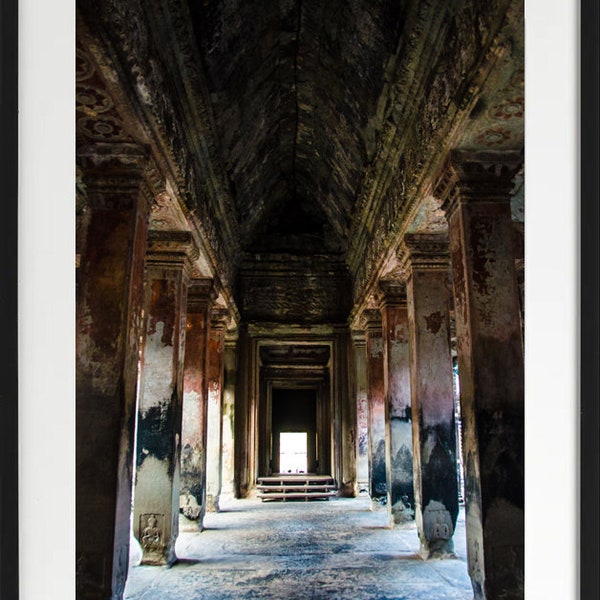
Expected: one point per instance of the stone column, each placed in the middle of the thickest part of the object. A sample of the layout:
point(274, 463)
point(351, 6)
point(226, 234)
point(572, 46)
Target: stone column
point(243, 431)
point(216, 351)
point(109, 309)
point(432, 395)
point(345, 413)
point(156, 500)
point(228, 427)
point(359, 346)
point(476, 190)
point(192, 492)
point(396, 377)
point(379, 443)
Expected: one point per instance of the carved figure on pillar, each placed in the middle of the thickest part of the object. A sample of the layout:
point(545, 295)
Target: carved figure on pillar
point(475, 190)
point(434, 437)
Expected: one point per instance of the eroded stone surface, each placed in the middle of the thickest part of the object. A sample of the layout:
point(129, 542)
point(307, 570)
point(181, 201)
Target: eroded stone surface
point(322, 549)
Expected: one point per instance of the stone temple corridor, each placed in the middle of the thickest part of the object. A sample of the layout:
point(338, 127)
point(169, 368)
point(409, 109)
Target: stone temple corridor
point(300, 220)
point(338, 549)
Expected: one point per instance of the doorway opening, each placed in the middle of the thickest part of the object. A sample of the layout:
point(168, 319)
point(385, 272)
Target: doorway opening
point(294, 417)
point(293, 452)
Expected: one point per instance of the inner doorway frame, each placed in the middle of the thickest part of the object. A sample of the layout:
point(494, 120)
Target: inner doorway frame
point(324, 423)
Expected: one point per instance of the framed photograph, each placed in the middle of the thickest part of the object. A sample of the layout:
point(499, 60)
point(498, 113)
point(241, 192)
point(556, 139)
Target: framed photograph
point(38, 288)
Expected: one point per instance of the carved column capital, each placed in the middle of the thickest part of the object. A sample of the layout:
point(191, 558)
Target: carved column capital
point(393, 293)
point(426, 251)
point(219, 317)
point(359, 339)
point(201, 294)
point(171, 248)
point(372, 321)
point(110, 176)
point(231, 338)
point(476, 177)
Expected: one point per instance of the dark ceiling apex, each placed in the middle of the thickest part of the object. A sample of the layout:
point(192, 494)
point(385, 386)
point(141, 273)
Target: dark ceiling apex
point(294, 86)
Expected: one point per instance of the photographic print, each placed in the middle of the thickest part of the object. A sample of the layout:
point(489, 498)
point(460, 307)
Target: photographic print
point(300, 218)
point(300, 276)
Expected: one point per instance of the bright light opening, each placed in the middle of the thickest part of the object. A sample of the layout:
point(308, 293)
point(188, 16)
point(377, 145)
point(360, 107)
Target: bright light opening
point(293, 452)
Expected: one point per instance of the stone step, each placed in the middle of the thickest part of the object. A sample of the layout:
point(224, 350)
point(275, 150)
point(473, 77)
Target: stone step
point(284, 478)
point(296, 487)
point(306, 486)
point(295, 495)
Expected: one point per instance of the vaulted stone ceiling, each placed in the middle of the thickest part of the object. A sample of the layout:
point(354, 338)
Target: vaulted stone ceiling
point(299, 140)
point(294, 86)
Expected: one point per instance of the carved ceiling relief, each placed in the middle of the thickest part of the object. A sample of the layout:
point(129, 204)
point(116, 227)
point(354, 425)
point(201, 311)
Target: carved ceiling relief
point(96, 114)
point(431, 133)
point(98, 122)
point(496, 123)
point(501, 125)
point(165, 214)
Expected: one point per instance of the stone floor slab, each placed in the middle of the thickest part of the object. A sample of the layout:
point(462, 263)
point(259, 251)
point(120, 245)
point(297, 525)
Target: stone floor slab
point(336, 549)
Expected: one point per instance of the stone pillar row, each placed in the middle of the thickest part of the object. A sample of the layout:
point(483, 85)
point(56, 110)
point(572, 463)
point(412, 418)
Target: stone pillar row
point(412, 449)
point(405, 371)
point(138, 313)
point(476, 190)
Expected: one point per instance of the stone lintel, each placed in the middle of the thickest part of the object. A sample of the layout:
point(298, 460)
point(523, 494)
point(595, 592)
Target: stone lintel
point(285, 331)
point(426, 251)
point(393, 293)
point(476, 177)
point(169, 249)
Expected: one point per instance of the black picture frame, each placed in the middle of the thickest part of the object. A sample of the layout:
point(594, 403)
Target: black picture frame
point(589, 302)
point(9, 459)
point(589, 447)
